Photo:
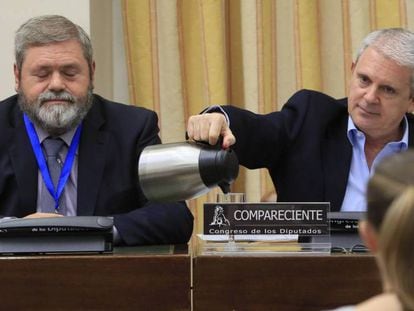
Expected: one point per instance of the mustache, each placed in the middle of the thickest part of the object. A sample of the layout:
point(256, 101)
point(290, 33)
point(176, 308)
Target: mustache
point(48, 95)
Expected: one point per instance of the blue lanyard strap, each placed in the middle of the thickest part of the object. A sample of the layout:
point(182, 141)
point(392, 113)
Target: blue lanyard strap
point(41, 162)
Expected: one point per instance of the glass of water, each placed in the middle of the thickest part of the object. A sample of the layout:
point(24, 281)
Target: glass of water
point(230, 197)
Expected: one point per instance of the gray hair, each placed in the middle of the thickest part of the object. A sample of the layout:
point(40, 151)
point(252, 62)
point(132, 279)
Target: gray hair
point(47, 29)
point(394, 43)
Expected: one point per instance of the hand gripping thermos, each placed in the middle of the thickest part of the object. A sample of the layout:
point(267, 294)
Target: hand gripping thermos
point(181, 171)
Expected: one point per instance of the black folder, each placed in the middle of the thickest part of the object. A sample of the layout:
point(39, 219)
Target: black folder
point(56, 235)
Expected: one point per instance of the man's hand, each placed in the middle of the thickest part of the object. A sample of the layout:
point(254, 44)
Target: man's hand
point(43, 215)
point(209, 127)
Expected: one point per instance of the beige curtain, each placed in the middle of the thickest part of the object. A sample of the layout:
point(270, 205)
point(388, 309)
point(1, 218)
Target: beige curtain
point(184, 55)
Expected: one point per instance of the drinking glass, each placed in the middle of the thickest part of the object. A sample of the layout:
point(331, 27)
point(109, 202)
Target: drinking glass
point(231, 197)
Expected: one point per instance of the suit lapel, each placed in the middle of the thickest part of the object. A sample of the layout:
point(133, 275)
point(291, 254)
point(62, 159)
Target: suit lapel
point(337, 156)
point(24, 166)
point(92, 151)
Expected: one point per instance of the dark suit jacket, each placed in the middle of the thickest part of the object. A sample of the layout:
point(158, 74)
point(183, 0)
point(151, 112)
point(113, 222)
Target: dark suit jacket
point(304, 146)
point(112, 138)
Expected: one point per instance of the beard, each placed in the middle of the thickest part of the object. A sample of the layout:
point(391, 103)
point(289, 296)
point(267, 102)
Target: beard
point(56, 119)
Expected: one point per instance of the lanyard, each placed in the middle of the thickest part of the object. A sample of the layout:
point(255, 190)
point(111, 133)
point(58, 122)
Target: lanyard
point(41, 162)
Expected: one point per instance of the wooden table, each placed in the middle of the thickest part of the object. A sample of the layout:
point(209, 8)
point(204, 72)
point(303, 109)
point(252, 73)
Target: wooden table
point(283, 282)
point(159, 278)
point(140, 278)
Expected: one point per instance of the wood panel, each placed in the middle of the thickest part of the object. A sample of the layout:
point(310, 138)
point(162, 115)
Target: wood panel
point(153, 281)
point(283, 283)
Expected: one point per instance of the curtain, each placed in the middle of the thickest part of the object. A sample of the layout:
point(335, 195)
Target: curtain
point(185, 55)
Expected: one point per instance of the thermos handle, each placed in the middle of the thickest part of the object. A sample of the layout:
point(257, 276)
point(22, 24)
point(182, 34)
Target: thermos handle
point(205, 143)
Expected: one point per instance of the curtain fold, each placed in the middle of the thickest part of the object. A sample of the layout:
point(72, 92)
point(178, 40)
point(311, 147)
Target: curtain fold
point(184, 55)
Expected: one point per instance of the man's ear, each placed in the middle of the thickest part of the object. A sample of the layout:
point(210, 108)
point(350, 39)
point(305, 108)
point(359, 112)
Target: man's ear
point(411, 106)
point(16, 78)
point(368, 235)
point(92, 73)
point(353, 66)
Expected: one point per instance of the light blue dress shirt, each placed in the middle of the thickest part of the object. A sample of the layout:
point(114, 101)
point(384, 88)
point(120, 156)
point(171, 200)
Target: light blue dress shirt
point(359, 173)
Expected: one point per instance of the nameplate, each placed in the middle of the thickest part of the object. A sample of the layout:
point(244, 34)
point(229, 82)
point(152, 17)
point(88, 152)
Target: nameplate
point(308, 219)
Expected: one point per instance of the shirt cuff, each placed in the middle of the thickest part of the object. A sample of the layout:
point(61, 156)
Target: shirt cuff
point(116, 236)
point(217, 108)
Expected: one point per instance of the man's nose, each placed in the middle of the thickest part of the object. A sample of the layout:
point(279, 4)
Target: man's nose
point(371, 94)
point(56, 82)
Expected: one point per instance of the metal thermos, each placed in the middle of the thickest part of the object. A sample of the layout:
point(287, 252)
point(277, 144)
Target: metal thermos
point(181, 171)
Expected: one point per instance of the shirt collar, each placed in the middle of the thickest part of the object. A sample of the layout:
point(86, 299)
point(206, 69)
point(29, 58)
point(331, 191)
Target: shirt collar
point(352, 133)
point(66, 137)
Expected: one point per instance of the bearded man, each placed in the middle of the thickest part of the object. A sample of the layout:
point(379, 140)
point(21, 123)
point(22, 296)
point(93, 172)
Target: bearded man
point(96, 142)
